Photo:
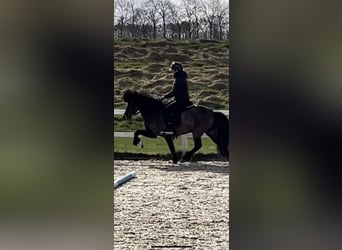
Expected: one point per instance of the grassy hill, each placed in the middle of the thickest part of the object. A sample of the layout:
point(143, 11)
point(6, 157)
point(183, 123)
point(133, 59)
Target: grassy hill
point(144, 64)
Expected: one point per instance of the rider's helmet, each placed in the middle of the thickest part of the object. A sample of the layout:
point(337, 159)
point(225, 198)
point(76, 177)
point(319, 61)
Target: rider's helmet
point(176, 66)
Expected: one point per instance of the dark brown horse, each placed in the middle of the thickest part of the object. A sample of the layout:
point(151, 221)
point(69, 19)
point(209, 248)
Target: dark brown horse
point(196, 120)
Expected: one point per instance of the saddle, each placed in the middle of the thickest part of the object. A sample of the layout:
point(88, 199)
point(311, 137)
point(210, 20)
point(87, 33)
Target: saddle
point(174, 118)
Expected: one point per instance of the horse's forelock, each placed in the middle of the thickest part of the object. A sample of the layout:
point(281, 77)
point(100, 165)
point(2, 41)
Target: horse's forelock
point(128, 95)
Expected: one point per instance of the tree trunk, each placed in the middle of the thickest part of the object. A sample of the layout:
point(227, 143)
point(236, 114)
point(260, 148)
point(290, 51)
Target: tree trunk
point(143, 31)
point(189, 31)
point(132, 29)
point(154, 30)
point(221, 35)
point(179, 31)
point(210, 30)
point(122, 27)
point(197, 28)
point(164, 27)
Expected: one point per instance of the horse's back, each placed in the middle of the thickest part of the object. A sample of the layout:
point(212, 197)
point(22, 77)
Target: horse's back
point(199, 116)
point(201, 109)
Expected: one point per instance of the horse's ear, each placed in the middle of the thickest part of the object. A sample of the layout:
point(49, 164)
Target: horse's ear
point(128, 95)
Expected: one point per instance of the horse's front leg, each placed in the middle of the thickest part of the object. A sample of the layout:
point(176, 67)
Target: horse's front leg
point(147, 133)
point(169, 141)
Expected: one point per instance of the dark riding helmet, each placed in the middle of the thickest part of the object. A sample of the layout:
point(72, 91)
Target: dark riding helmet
point(176, 66)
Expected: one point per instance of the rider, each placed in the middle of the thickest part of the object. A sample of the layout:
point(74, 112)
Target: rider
point(180, 93)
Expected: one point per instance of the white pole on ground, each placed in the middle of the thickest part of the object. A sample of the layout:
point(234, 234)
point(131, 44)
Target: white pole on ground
point(121, 180)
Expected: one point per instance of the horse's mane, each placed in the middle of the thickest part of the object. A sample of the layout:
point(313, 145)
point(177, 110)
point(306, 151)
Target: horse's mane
point(144, 98)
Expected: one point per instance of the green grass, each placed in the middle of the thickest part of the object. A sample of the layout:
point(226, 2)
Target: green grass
point(159, 146)
point(121, 125)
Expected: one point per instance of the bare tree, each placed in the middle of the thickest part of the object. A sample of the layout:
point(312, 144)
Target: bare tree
point(143, 22)
point(222, 17)
point(197, 10)
point(176, 20)
point(210, 12)
point(188, 19)
point(122, 11)
point(152, 10)
point(132, 16)
point(187, 7)
point(164, 10)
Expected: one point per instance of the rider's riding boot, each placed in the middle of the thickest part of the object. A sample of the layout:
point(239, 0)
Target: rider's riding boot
point(170, 130)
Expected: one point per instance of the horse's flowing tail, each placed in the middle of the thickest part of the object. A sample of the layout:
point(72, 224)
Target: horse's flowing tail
point(221, 123)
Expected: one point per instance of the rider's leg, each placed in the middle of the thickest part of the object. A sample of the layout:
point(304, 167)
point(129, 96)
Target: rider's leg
point(169, 110)
point(173, 116)
point(177, 111)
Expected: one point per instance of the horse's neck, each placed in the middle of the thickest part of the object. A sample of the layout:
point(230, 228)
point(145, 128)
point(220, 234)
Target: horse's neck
point(148, 114)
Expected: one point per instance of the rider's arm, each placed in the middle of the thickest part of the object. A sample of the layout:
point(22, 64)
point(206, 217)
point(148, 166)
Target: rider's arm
point(176, 90)
point(172, 93)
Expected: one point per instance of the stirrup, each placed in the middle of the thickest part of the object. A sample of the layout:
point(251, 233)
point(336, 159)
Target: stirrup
point(166, 132)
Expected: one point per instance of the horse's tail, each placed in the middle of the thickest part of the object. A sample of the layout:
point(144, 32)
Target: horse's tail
point(221, 123)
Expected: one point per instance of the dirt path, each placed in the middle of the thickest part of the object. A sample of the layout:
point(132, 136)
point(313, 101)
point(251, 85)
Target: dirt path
point(172, 205)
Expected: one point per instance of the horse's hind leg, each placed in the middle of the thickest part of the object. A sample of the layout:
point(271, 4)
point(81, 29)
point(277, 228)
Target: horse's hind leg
point(222, 149)
point(212, 135)
point(172, 148)
point(197, 146)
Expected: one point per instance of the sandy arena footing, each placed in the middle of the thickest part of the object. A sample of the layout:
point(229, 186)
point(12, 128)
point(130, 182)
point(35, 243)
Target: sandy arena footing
point(172, 205)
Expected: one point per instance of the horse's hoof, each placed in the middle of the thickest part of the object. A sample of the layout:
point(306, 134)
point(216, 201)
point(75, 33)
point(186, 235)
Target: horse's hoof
point(186, 158)
point(136, 141)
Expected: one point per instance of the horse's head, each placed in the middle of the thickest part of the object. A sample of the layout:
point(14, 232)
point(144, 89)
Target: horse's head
point(140, 101)
point(132, 109)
